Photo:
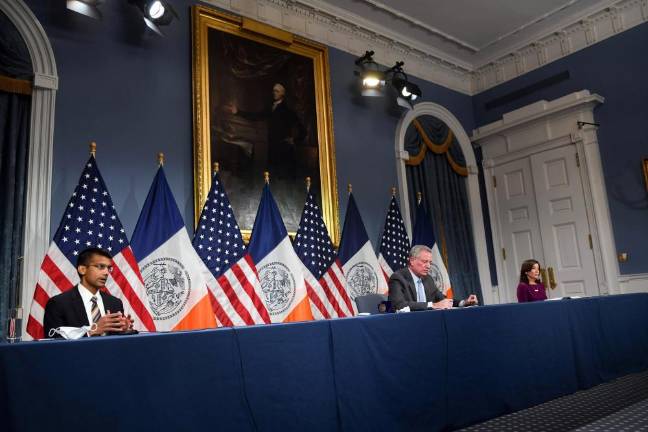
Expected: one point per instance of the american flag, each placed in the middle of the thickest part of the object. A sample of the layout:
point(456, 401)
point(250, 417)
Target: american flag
point(325, 283)
point(218, 242)
point(395, 244)
point(90, 220)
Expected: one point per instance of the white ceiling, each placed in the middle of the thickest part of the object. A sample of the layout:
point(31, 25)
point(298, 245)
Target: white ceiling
point(469, 33)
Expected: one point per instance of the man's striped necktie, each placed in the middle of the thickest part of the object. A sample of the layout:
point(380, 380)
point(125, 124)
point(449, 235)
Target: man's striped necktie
point(95, 313)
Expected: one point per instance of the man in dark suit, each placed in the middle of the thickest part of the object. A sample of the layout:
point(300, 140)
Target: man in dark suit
point(413, 287)
point(85, 304)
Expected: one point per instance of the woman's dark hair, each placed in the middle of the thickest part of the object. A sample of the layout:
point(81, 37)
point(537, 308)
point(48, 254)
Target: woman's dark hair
point(527, 266)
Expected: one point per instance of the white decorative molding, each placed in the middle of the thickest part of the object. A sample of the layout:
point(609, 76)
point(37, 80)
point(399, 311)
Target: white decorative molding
point(338, 28)
point(41, 138)
point(563, 41)
point(472, 184)
point(355, 34)
point(633, 283)
point(540, 126)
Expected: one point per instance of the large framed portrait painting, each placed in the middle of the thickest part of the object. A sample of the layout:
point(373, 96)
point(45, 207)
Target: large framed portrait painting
point(262, 103)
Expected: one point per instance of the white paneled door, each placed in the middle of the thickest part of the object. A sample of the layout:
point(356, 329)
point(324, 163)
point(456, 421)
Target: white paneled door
point(542, 215)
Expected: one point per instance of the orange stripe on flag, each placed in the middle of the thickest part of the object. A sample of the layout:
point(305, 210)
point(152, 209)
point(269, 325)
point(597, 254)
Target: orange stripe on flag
point(449, 294)
point(201, 316)
point(301, 312)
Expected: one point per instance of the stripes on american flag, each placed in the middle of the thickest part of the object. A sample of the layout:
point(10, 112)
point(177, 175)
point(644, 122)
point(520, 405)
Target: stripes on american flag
point(395, 244)
point(90, 220)
point(325, 283)
point(233, 274)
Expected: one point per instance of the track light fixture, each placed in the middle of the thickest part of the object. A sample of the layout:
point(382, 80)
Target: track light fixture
point(155, 13)
point(373, 80)
point(89, 8)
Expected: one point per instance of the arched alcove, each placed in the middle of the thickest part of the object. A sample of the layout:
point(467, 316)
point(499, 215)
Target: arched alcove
point(41, 135)
point(472, 183)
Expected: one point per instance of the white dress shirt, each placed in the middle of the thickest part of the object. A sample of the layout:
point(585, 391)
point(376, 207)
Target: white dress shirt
point(86, 297)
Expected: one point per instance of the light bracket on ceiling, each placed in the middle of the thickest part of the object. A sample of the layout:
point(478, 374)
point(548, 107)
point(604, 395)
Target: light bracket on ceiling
point(374, 78)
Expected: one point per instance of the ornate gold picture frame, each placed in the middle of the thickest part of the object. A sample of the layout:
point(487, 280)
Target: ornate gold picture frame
point(261, 102)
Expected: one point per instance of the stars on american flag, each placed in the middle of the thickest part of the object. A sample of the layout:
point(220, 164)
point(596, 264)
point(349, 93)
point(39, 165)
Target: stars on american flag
point(312, 242)
point(90, 219)
point(218, 238)
point(395, 244)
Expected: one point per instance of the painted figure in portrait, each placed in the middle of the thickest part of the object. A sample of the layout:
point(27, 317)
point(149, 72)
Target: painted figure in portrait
point(263, 118)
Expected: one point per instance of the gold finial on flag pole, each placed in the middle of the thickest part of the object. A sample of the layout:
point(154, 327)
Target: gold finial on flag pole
point(93, 149)
point(349, 188)
point(266, 177)
point(419, 197)
point(161, 159)
point(308, 184)
point(393, 191)
point(216, 167)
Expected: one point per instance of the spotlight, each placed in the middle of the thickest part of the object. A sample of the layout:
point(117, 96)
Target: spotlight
point(406, 89)
point(373, 80)
point(89, 8)
point(155, 13)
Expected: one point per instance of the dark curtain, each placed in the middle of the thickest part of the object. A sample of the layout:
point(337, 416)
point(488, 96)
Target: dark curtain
point(445, 198)
point(15, 114)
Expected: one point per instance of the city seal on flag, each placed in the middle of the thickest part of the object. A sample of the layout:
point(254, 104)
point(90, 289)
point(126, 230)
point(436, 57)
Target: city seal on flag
point(437, 275)
point(168, 286)
point(362, 279)
point(278, 286)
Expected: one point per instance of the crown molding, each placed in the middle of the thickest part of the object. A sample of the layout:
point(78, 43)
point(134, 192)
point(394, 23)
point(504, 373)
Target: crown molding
point(340, 29)
point(580, 33)
point(354, 34)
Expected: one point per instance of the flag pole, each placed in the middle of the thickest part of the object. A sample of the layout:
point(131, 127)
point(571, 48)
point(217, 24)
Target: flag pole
point(215, 168)
point(93, 149)
point(393, 191)
point(308, 184)
point(349, 188)
point(266, 177)
point(419, 198)
point(161, 159)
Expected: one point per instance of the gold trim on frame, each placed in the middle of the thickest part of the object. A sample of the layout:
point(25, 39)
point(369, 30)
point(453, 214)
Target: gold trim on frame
point(645, 172)
point(205, 18)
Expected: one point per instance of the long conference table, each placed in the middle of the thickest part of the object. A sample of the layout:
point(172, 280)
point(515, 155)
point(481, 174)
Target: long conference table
point(434, 370)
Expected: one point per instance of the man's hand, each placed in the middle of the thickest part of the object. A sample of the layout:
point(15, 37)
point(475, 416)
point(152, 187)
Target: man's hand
point(111, 322)
point(443, 304)
point(126, 323)
point(471, 300)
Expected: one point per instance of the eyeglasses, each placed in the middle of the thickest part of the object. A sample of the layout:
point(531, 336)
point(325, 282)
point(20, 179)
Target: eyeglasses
point(102, 267)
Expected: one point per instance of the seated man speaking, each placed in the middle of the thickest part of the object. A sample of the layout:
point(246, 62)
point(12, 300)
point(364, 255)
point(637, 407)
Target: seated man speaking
point(413, 287)
point(85, 304)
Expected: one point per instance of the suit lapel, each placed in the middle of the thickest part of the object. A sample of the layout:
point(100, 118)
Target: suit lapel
point(410, 284)
point(79, 309)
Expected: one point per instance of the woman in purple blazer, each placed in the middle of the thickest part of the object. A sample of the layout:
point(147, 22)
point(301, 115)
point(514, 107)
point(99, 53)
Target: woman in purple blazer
point(530, 287)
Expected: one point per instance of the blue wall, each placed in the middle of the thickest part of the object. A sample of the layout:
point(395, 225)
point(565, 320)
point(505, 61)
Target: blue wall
point(130, 91)
point(615, 68)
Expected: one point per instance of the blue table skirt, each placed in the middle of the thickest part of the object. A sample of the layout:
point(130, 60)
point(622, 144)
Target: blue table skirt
point(427, 371)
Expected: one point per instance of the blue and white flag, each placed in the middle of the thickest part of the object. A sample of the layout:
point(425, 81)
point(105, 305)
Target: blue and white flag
point(424, 235)
point(174, 274)
point(394, 245)
point(357, 256)
point(281, 273)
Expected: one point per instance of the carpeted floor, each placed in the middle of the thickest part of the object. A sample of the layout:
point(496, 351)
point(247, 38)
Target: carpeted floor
point(619, 405)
